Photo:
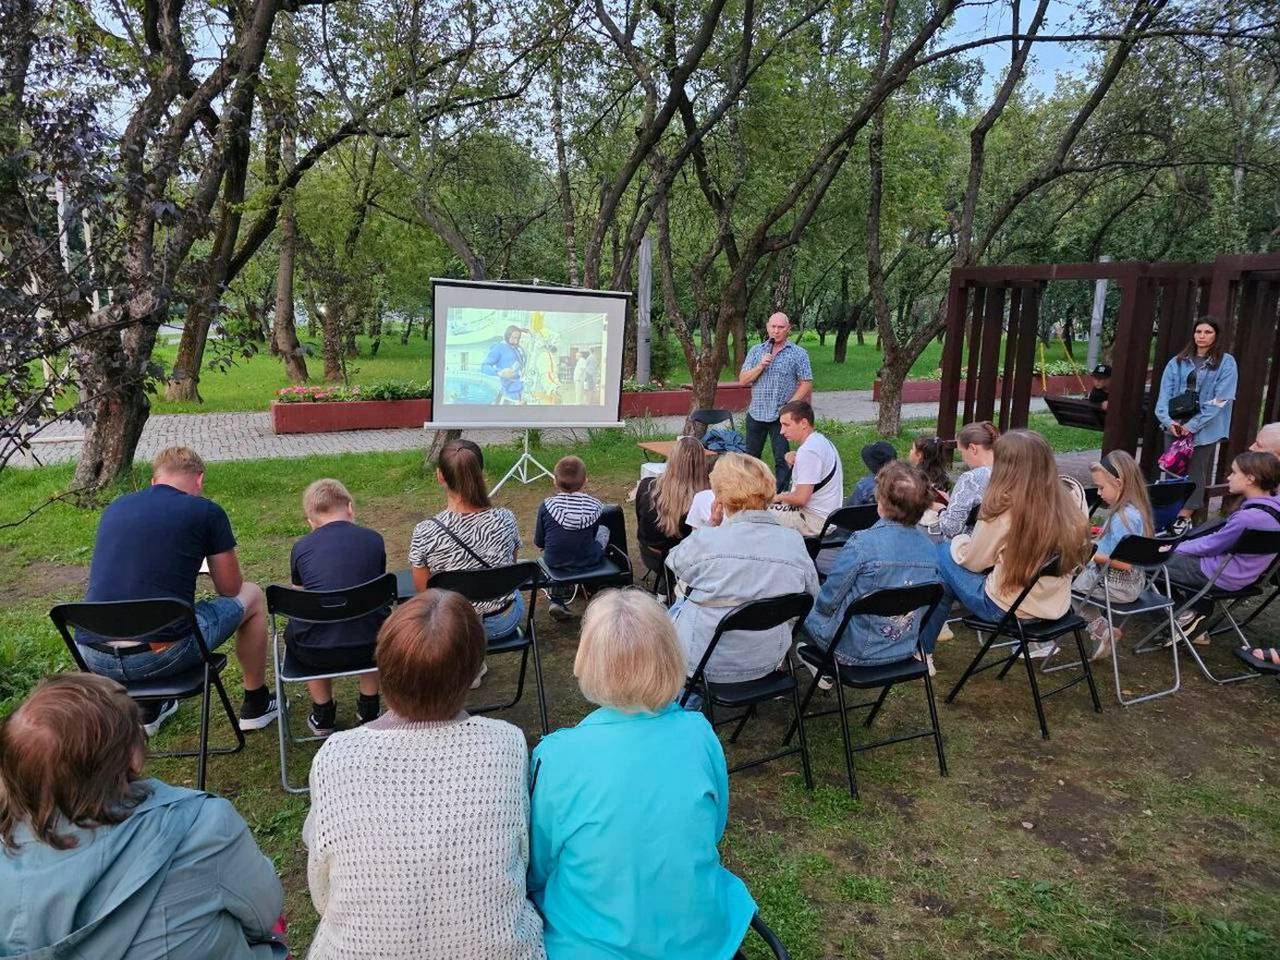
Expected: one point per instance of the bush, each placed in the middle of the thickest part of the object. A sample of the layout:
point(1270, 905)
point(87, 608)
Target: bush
point(630, 386)
point(390, 390)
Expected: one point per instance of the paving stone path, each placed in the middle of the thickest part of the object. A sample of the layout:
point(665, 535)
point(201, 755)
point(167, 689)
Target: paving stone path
point(248, 436)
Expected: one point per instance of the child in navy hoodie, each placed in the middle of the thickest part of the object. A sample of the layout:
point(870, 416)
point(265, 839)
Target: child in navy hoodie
point(568, 529)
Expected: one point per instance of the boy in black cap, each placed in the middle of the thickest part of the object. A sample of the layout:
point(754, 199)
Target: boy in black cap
point(1101, 375)
point(875, 456)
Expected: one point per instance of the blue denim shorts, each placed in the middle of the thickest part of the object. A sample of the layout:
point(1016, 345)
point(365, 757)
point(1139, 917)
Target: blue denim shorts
point(218, 619)
point(503, 623)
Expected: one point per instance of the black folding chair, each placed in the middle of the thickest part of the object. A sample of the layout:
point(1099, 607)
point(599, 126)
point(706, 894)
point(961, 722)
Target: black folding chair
point(315, 607)
point(709, 418)
point(1150, 555)
point(120, 623)
point(1021, 632)
point(612, 571)
point(1167, 498)
point(889, 602)
point(770, 939)
point(755, 615)
point(1223, 601)
point(847, 520)
point(491, 584)
point(655, 563)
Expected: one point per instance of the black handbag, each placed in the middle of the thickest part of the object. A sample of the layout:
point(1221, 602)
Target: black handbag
point(1186, 404)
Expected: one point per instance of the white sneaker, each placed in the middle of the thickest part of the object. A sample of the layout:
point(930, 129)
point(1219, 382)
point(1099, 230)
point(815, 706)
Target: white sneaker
point(152, 724)
point(945, 633)
point(928, 659)
point(824, 682)
point(1040, 650)
point(475, 684)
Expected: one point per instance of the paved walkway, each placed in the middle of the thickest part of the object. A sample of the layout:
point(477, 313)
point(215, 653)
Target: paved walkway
point(248, 436)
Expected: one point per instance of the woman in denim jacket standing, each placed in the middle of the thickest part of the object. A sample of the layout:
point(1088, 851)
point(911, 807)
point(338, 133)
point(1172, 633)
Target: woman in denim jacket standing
point(749, 555)
point(892, 553)
point(1205, 369)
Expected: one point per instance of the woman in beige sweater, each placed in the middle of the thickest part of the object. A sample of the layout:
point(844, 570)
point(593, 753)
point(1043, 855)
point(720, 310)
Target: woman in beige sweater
point(1027, 516)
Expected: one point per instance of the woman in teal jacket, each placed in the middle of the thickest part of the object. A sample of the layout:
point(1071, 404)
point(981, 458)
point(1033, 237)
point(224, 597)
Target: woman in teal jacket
point(628, 806)
point(97, 863)
point(1205, 374)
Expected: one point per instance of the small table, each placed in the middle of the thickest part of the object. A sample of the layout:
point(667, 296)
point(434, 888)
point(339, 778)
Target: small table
point(663, 448)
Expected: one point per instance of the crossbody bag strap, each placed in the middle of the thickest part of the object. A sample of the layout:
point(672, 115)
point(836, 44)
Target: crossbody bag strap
point(1262, 506)
point(463, 544)
point(827, 479)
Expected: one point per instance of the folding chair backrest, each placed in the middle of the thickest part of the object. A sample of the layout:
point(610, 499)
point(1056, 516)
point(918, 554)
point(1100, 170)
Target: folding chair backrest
point(123, 619)
point(852, 519)
point(1050, 568)
point(711, 417)
point(1167, 498)
point(491, 584)
point(972, 520)
point(332, 606)
point(615, 520)
point(1258, 543)
point(762, 614)
point(1148, 553)
point(889, 602)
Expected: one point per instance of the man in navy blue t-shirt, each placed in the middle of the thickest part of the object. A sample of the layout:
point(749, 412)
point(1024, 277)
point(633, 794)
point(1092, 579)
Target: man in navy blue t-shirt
point(335, 555)
point(151, 544)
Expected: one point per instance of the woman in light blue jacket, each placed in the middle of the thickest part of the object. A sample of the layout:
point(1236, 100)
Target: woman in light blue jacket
point(98, 863)
point(1197, 394)
point(749, 555)
point(627, 808)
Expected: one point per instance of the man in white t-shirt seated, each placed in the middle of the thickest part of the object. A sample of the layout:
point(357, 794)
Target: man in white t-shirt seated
point(817, 477)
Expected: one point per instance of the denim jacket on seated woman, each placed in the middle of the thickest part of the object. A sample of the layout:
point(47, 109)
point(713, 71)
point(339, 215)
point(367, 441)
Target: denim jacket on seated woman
point(887, 554)
point(750, 556)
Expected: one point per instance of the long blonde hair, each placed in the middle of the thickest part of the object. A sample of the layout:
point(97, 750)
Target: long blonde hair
point(1043, 518)
point(673, 491)
point(1133, 491)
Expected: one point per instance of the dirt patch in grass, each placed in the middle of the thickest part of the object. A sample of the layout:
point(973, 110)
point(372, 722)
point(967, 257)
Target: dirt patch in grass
point(43, 579)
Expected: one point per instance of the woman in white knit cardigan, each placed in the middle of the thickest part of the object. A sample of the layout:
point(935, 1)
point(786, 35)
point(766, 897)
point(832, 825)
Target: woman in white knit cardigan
point(418, 836)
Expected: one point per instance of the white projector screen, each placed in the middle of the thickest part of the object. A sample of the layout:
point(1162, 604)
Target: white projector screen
point(525, 356)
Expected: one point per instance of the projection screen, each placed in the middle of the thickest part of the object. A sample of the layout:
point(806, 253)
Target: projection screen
point(513, 355)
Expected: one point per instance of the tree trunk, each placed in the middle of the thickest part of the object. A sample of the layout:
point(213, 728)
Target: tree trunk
point(841, 351)
point(407, 331)
point(375, 331)
point(184, 381)
point(892, 375)
point(562, 172)
point(284, 334)
point(331, 331)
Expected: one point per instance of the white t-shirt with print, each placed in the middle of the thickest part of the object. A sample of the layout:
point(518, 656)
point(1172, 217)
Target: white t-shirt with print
point(815, 458)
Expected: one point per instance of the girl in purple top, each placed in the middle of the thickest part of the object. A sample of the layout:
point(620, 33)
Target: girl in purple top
point(1254, 476)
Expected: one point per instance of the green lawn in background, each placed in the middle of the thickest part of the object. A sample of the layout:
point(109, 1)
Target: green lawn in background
point(1143, 833)
point(250, 383)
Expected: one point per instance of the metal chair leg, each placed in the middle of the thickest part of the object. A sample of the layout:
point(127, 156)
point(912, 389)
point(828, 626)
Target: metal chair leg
point(799, 725)
point(203, 759)
point(848, 745)
point(878, 704)
point(971, 669)
point(1088, 672)
point(933, 719)
point(1025, 656)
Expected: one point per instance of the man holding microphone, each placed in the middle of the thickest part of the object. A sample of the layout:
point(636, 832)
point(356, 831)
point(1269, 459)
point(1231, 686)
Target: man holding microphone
point(777, 371)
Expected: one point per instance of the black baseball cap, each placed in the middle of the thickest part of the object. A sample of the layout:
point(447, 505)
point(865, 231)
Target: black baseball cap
point(1101, 371)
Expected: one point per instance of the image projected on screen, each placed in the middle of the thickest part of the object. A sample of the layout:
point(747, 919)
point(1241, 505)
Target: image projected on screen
point(525, 357)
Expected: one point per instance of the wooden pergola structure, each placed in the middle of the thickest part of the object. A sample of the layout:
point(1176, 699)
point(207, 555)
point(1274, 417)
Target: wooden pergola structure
point(1159, 304)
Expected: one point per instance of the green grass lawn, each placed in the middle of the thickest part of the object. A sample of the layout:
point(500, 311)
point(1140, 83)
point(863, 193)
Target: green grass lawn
point(251, 382)
point(1144, 833)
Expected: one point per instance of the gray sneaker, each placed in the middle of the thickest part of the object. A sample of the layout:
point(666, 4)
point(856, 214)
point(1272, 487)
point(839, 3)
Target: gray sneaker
point(155, 714)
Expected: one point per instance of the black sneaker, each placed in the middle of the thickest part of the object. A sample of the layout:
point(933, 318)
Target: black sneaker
point(367, 709)
point(258, 709)
point(323, 719)
point(155, 714)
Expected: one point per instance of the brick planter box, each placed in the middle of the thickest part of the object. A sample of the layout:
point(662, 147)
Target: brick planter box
point(930, 391)
point(678, 403)
point(348, 415)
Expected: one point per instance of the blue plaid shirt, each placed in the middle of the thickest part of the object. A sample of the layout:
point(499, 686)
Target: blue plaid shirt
point(779, 381)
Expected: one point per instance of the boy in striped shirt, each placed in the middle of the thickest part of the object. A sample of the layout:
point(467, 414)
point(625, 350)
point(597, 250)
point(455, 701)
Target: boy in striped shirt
point(568, 530)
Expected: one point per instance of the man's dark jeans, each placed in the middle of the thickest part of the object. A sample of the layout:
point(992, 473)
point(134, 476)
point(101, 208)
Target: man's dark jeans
point(756, 433)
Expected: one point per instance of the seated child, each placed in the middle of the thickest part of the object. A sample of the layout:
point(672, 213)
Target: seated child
point(568, 529)
point(934, 460)
point(336, 554)
point(875, 456)
point(1254, 476)
point(1121, 485)
point(1101, 375)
